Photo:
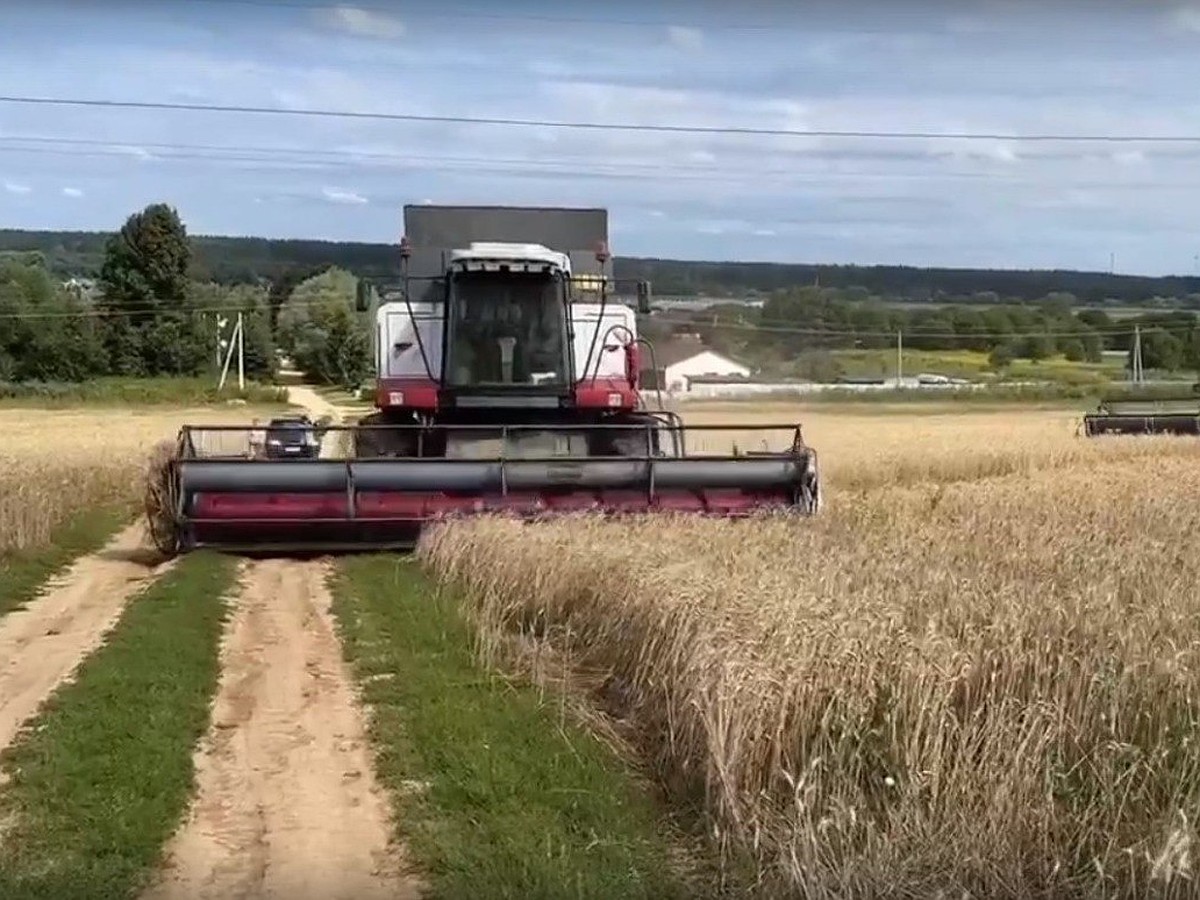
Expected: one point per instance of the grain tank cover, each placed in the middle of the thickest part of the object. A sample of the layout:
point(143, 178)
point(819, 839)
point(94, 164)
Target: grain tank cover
point(434, 231)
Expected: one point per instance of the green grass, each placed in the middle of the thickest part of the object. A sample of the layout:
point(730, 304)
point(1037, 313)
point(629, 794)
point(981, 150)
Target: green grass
point(136, 392)
point(99, 783)
point(974, 365)
point(519, 803)
point(23, 572)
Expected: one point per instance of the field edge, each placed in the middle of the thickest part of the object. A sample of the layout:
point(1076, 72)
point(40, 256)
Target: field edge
point(495, 792)
point(24, 573)
point(96, 783)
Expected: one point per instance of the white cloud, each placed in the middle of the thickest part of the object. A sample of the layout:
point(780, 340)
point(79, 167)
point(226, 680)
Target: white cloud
point(965, 198)
point(14, 188)
point(363, 22)
point(683, 37)
point(1129, 157)
point(72, 192)
point(968, 150)
point(1186, 19)
point(136, 152)
point(336, 195)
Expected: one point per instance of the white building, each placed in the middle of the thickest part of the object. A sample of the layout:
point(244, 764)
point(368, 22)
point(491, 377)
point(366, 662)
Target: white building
point(685, 357)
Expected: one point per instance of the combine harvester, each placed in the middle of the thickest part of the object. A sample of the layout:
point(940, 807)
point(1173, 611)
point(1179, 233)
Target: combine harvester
point(1167, 415)
point(507, 382)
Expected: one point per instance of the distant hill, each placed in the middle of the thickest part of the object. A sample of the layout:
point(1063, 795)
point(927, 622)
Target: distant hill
point(246, 259)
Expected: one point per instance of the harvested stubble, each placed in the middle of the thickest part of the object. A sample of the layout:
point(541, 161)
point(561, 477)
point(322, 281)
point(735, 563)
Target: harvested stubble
point(986, 689)
point(55, 465)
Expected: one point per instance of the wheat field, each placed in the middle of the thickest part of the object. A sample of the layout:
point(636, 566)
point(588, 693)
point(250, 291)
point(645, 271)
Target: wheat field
point(975, 674)
point(56, 464)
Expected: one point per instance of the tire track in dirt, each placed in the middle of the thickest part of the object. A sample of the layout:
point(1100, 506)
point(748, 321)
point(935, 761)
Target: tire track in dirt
point(287, 804)
point(42, 644)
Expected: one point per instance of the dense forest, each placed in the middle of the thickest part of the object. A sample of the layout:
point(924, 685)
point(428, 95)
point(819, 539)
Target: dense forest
point(245, 260)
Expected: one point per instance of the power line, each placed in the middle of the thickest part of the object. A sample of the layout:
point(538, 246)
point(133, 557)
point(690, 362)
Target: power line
point(765, 326)
point(561, 165)
point(596, 126)
point(566, 166)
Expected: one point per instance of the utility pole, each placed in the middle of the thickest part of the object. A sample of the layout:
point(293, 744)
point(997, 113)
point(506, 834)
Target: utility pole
point(220, 328)
point(241, 343)
point(235, 342)
point(899, 357)
point(1136, 363)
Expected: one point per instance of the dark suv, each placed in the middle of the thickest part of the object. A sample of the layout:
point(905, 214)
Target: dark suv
point(292, 438)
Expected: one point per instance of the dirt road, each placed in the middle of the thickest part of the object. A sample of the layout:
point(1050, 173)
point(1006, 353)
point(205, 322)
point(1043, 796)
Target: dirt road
point(287, 805)
point(336, 443)
point(314, 403)
point(41, 645)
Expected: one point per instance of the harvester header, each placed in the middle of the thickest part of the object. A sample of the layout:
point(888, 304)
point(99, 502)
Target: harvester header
point(508, 379)
point(1176, 414)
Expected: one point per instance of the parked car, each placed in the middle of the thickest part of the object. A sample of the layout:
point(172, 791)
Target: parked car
point(292, 437)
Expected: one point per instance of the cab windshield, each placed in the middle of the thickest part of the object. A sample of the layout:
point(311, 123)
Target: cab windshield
point(507, 328)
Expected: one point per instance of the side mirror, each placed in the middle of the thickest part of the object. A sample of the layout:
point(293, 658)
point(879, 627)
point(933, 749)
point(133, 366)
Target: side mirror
point(362, 295)
point(643, 297)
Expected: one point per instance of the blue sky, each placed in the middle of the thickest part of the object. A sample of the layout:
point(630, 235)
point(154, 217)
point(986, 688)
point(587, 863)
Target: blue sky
point(1008, 68)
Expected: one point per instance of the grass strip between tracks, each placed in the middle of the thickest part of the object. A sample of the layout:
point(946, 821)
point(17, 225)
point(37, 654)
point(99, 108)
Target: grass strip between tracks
point(495, 796)
point(23, 572)
point(95, 787)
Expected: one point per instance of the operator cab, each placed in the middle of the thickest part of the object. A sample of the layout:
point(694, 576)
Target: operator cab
point(507, 327)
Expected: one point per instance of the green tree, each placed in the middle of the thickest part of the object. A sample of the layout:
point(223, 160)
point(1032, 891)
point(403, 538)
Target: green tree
point(1036, 347)
point(216, 301)
point(46, 333)
point(818, 365)
point(1001, 357)
point(1160, 350)
point(1093, 346)
point(1072, 348)
point(151, 327)
point(321, 331)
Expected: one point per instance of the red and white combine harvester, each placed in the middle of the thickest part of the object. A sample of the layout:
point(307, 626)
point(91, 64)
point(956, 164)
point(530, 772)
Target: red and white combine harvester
point(507, 382)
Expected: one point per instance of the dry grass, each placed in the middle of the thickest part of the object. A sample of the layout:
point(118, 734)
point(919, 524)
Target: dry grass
point(960, 686)
point(56, 464)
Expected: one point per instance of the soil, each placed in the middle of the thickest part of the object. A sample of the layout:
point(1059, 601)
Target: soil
point(287, 804)
point(42, 644)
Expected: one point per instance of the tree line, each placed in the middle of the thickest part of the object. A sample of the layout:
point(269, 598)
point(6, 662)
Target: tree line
point(794, 322)
point(252, 260)
point(154, 311)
